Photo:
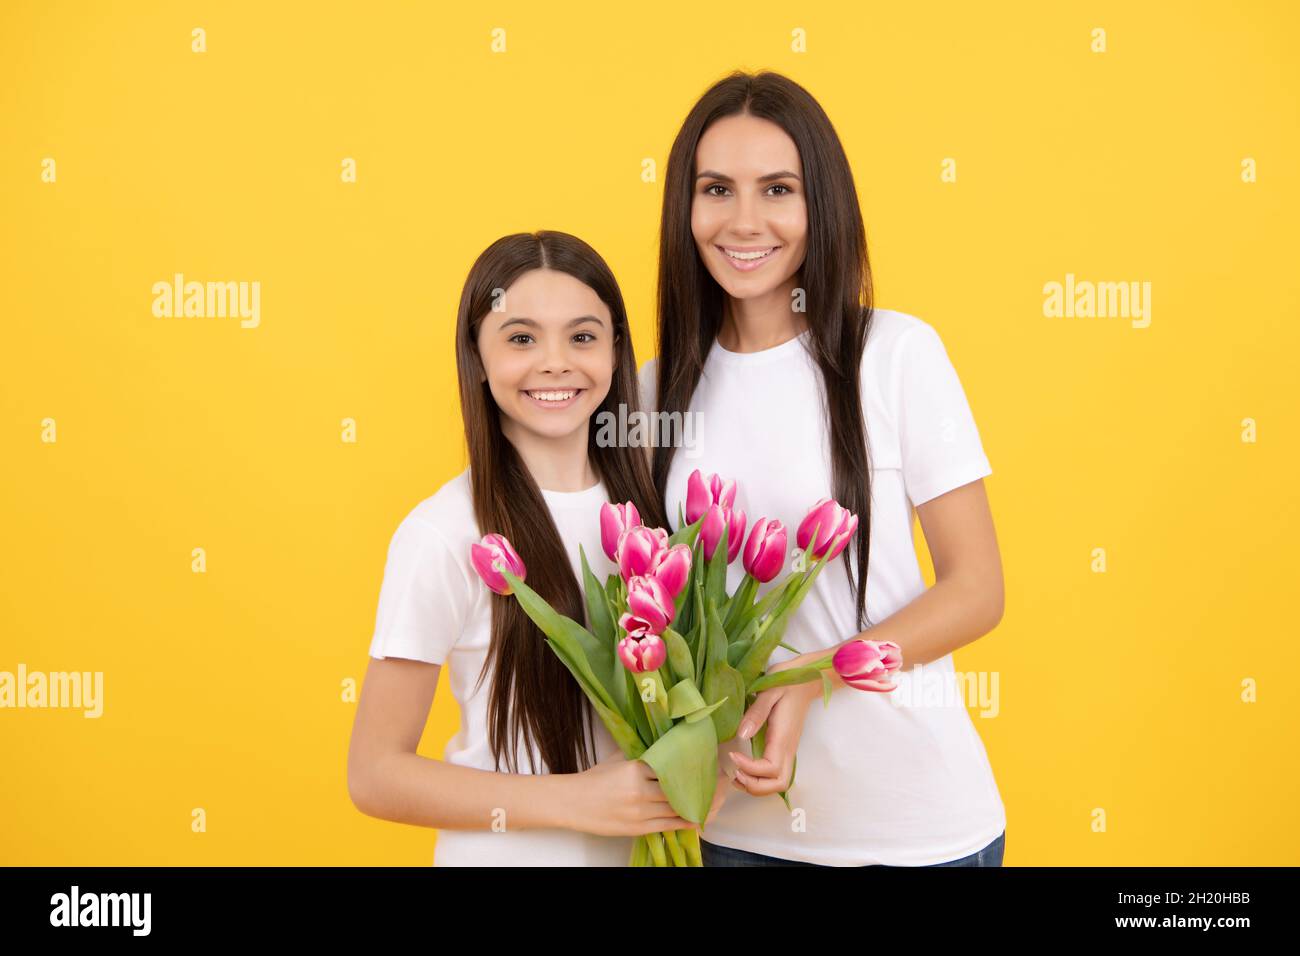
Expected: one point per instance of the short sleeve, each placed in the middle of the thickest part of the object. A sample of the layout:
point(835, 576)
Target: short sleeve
point(426, 597)
point(940, 445)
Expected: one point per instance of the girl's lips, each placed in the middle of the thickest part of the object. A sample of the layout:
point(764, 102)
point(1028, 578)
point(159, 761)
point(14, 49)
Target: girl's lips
point(549, 403)
point(749, 265)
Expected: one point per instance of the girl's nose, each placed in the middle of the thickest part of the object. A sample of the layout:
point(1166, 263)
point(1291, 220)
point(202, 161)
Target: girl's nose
point(556, 359)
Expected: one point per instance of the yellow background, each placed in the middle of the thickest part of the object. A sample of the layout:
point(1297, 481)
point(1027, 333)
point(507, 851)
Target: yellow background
point(1119, 691)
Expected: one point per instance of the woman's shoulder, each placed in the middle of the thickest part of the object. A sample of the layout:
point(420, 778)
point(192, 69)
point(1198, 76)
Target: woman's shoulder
point(889, 329)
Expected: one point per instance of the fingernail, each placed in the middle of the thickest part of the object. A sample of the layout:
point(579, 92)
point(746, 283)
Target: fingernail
point(746, 730)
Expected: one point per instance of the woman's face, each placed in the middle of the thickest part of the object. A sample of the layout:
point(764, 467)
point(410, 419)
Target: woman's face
point(548, 354)
point(748, 214)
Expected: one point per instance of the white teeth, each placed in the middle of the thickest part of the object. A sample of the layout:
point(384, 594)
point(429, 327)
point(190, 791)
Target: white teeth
point(553, 396)
point(748, 256)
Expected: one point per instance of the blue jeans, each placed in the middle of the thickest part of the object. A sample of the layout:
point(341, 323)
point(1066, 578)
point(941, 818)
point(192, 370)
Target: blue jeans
point(714, 855)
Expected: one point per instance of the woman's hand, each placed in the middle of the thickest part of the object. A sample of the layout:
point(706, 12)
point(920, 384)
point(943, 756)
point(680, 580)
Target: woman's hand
point(784, 710)
point(621, 797)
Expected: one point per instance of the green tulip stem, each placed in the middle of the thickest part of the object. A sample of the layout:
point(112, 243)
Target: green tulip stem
point(656, 843)
point(690, 840)
point(675, 850)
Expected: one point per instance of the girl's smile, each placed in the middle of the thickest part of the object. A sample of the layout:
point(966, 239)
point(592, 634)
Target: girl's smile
point(553, 398)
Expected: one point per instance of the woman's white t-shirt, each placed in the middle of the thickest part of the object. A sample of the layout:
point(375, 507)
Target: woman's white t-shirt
point(434, 607)
point(899, 778)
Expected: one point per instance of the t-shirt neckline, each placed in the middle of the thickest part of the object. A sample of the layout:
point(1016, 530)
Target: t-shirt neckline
point(575, 499)
point(762, 356)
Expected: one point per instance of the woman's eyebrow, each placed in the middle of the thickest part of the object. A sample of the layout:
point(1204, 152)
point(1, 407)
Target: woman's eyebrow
point(723, 177)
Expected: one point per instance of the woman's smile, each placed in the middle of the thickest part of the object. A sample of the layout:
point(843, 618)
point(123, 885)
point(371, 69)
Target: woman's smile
point(748, 258)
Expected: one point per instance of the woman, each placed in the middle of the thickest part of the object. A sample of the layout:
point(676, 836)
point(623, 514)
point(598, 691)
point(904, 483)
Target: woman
point(801, 390)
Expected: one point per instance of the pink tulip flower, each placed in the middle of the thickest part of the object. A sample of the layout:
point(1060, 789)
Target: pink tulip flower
point(715, 519)
point(638, 549)
point(640, 655)
point(835, 525)
point(868, 665)
point(492, 553)
point(702, 491)
point(672, 568)
point(765, 550)
point(614, 520)
point(649, 601)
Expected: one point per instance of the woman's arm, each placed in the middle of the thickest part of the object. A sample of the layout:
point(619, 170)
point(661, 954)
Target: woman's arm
point(964, 604)
point(389, 780)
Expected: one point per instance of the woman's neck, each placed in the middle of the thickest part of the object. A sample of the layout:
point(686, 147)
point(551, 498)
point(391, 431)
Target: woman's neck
point(762, 322)
point(556, 464)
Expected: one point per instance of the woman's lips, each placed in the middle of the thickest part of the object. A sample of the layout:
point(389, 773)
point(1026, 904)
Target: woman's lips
point(753, 260)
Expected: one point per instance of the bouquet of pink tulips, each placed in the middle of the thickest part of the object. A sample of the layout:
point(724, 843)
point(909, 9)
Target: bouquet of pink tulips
point(669, 660)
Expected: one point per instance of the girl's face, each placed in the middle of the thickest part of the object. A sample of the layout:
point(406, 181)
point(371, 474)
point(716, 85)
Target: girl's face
point(548, 354)
point(748, 214)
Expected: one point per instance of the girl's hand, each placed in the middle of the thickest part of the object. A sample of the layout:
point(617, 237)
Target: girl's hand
point(621, 797)
point(784, 710)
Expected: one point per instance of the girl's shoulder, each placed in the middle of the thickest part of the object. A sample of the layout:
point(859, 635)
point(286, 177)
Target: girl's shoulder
point(445, 519)
point(430, 596)
point(450, 507)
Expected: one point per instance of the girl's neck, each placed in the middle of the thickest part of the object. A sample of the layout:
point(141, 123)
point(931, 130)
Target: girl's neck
point(556, 464)
point(763, 322)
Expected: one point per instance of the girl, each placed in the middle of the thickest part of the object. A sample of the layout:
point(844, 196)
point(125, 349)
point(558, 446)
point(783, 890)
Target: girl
point(542, 344)
point(767, 334)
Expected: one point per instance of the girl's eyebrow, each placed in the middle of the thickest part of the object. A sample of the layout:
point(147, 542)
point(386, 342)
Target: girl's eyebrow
point(521, 320)
point(722, 177)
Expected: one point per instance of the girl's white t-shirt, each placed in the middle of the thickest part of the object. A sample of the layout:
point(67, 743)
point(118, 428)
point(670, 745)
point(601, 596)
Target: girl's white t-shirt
point(898, 778)
point(434, 607)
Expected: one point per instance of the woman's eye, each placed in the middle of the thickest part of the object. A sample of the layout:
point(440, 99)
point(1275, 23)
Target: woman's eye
point(517, 336)
point(782, 186)
point(589, 337)
point(709, 189)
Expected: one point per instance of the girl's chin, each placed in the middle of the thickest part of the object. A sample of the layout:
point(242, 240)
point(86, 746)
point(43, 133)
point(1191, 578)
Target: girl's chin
point(551, 423)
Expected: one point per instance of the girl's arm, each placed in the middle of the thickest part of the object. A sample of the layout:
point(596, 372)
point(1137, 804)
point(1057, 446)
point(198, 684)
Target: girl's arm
point(389, 780)
point(964, 604)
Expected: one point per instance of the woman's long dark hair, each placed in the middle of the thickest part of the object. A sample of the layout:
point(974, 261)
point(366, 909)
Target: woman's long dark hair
point(533, 696)
point(836, 278)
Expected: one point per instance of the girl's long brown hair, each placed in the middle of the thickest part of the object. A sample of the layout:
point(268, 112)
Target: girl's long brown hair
point(533, 697)
point(836, 278)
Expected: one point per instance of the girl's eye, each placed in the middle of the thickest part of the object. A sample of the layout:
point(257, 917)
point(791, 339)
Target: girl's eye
point(589, 337)
point(517, 336)
point(785, 190)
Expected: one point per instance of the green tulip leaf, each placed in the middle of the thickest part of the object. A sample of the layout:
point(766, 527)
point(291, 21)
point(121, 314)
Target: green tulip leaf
point(684, 698)
point(686, 762)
